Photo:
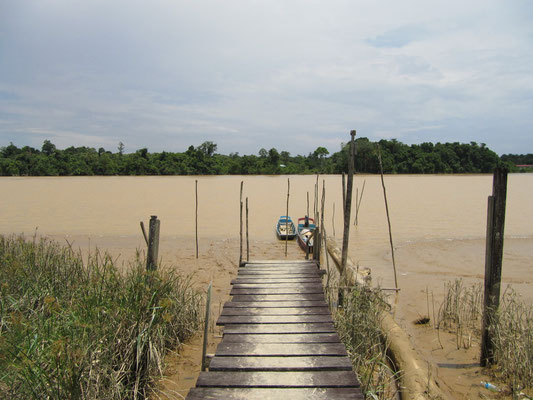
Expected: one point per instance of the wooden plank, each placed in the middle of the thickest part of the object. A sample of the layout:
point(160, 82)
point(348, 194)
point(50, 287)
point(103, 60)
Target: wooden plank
point(279, 328)
point(206, 393)
point(275, 304)
point(291, 272)
point(320, 379)
point(280, 297)
point(271, 291)
point(278, 285)
point(280, 349)
point(282, 338)
point(277, 275)
point(261, 262)
point(306, 363)
point(295, 279)
point(275, 311)
point(273, 319)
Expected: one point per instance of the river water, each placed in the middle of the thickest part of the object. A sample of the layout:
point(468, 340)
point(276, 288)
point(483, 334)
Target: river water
point(438, 227)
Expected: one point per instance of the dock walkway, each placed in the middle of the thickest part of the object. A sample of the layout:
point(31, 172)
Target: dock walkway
point(279, 341)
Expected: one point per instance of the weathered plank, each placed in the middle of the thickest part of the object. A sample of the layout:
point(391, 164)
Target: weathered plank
point(292, 272)
point(279, 297)
point(279, 328)
point(266, 281)
point(278, 262)
point(282, 338)
point(280, 349)
point(275, 304)
point(272, 291)
point(273, 319)
point(277, 275)
point(278, 285)
point(226, 311)
point(305, 363)
point(264, 394)
point(318, 379)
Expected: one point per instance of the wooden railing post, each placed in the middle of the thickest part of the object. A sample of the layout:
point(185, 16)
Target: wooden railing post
point(153, 243)
point(493, 261)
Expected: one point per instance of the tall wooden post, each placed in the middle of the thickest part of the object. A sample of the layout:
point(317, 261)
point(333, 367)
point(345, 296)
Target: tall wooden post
point(287, 217)
point(347, 212)
point(153, 243)
point(247, 236)
point(196, 214)
point(206, 328)
point(240, 234)
point(493, 261)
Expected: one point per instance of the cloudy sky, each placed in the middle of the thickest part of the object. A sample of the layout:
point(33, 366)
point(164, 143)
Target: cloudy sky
point(247, 74)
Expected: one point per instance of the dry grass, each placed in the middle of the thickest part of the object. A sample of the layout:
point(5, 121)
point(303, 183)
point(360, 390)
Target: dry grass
point(512, 330)
point(358, 324)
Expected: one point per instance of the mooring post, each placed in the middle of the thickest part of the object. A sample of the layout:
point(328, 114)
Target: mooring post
point(153, 243)
point(347, 212)
point(240, 224)
point(196, 214)
point(287, 217)
point(247, 236)
point(493, 261)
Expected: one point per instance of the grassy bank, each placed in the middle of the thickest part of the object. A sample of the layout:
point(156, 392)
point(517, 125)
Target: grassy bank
point(79, 329)
point(358, 325)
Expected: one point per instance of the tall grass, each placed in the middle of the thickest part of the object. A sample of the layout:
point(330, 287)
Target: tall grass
point(79, 329)
point(512, 330)
point(358, 325)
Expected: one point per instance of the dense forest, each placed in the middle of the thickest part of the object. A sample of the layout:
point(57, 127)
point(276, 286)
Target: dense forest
point(397, 157)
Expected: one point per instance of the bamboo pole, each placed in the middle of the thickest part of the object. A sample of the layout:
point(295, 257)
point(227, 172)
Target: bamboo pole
point(240, 248)
point(247, 236)
point(206, 328)
point(333, 219)
point(196, 214)
point(307, 204)
point(388, 218)
point(493, 261)
point(287, 217)
point(356, 222)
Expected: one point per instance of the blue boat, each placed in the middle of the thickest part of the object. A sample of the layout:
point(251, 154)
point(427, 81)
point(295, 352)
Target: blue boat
point(285, 228)
point(306, 227)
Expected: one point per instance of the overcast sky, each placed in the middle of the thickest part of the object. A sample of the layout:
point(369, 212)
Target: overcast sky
point(250, 74)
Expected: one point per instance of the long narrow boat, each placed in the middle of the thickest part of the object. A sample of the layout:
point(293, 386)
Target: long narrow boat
point(285, 228)
point(306, 226)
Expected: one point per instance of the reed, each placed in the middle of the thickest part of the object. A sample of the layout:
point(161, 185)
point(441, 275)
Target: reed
point(358, 325)
point(79, 329)
point(512, 331)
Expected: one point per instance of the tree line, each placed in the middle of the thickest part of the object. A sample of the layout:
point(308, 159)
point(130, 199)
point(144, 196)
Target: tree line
point(397, 157)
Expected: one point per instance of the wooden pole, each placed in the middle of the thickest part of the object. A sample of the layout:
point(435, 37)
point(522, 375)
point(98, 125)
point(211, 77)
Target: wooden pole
point(307, 204)
point(333, 219)
point(388, 218)
point(493, 261)
point(196, 214)
point(287, 217)
point(240, 233)
point(247, 236)
point(206, 328)
point(356, 222)
point(153, 243)
point(347, 212)
point(322, 228)
point(343, 192)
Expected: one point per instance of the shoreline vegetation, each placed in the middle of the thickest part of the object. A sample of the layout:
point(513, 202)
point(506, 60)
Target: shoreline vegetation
point(397, 158)
point(76, 327)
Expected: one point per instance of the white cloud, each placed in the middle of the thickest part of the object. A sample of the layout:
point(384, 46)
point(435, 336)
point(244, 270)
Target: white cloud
point(249, 74)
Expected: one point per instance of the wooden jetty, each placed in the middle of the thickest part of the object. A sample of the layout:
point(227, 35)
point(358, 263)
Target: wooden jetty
point(279, 341)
